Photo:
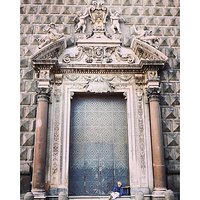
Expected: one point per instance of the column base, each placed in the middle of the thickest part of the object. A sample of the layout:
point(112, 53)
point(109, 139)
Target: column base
point(159, 191)
point(39, 194)
point(144, 190)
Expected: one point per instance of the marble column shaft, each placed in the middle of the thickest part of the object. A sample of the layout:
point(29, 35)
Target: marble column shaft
point(38, 180)
point(157, 144)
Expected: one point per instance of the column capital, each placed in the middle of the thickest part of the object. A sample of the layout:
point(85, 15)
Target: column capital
point(43, 94)
point(153, 93)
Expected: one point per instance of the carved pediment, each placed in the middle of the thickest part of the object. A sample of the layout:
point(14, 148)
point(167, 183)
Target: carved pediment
point(51, 51)
point(99, 50)
point(145, 51)
point(97, 55)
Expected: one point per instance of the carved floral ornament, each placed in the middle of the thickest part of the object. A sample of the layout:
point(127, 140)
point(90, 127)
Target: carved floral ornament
point(96, 51)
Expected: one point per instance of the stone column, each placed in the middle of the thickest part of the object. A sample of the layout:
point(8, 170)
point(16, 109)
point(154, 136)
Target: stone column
point(38, 178)
point(157, 141)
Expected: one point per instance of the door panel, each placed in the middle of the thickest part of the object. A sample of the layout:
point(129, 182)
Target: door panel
point(98, 144)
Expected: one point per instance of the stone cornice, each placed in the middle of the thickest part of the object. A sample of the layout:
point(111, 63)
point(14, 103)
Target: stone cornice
point(43, 64)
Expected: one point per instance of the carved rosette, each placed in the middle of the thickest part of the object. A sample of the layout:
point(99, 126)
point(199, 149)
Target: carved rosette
point(141, 139)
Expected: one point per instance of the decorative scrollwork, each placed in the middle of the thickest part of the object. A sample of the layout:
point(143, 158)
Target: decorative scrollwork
point(66, 58)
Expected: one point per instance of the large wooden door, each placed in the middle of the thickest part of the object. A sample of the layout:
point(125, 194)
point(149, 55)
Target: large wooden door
point(98, 144)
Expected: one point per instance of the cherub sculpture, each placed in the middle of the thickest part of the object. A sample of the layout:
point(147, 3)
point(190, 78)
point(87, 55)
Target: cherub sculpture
point(115, 18)
point(51, 35)
point(81, 21)
point(146, 36)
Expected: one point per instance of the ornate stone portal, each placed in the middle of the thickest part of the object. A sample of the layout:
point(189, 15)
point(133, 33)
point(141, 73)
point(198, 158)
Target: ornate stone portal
point(98, 63)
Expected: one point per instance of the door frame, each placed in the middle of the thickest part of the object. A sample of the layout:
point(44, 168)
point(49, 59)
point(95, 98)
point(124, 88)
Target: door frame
point(139, 140)
point(102, 96)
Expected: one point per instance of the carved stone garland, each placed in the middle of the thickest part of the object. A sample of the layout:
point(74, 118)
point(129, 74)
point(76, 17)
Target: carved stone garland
point(56, 136)
point(141, 139)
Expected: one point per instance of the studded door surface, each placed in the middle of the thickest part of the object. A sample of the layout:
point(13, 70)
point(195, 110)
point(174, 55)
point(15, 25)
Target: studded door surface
point(98, 144)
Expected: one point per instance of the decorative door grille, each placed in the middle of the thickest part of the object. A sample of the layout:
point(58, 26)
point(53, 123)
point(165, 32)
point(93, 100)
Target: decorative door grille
point(98, 144)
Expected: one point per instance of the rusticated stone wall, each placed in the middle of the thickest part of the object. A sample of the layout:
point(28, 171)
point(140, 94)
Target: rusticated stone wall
point(161, 16)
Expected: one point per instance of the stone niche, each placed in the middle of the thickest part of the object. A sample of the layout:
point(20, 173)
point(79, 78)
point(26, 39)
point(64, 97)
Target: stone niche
point(98, 63)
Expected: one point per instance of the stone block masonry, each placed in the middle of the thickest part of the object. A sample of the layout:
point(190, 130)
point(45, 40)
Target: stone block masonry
point(162, 17)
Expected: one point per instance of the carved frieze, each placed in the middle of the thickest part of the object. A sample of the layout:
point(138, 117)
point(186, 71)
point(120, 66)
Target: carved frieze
point(99, 85)
point(56, 135)
point(98, 54)
point(141, 139)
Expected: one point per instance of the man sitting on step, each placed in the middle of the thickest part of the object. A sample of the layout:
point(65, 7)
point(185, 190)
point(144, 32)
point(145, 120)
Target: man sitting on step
point(117, 191)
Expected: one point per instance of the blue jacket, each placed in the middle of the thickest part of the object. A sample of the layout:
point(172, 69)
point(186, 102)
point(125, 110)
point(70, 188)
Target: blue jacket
point(118, 189)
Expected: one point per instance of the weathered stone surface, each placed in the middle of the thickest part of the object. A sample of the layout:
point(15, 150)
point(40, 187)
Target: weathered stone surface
point(31, 86)
point(28, 139)
point(168, 87)
point(22, 86)
point(25, 99)
point(24, 125)
point(171, 139)
point(169, 113)
point(169, 195)
point(21, 112)
point(29, 196)
point(30, 154)
point(166, 125)
point(23, 153)
point(25, 168)
point(33, 124)
point(30, 112)
point(37, 1)
point(172, 153)
point(173, 182)
point(27, 73)
point(59, 2)
point(139, 196)
point(34, 99)
point(161, 16)
point(25, 185)
point(62, 196)
point(172, 167)
point(176, 126)
point(25, 19)
point(175, 100)
point(23, 63)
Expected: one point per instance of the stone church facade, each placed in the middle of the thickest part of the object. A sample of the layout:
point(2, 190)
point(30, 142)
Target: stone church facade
point(99, 99)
